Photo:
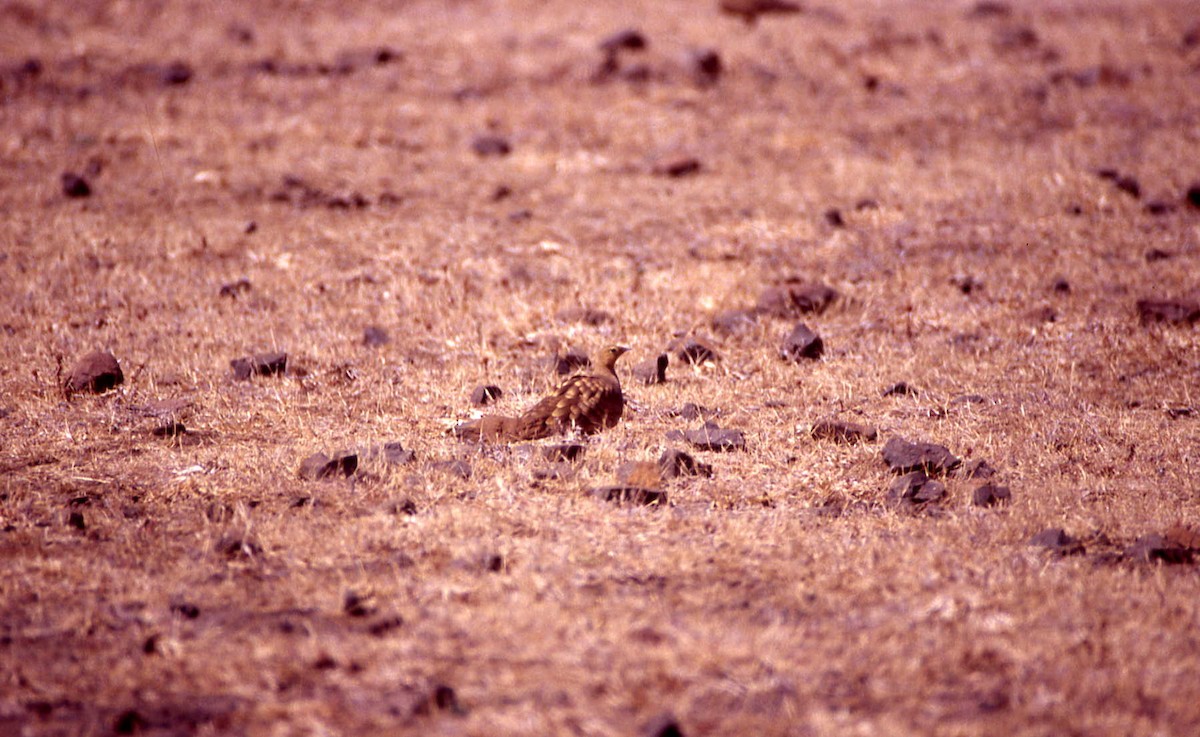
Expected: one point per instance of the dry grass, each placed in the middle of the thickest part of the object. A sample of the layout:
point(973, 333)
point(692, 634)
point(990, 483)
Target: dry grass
point(207, 591)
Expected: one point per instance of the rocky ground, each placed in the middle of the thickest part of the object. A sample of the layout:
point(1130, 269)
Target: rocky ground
point(910, 440)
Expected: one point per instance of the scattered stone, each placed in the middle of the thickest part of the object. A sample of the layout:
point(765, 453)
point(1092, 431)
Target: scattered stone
point(1043, 314)
point(355, 604)
point(674, 463)
point(990, 495)
point(1057, 541)
point(1192, 196)
point(1129, 185)
point(405, 506)
point(75, 519)
point(842, 432)
point(485, 394)
point(711, 437)
point(585, 315)
point(706, 66)
point(664, 725)
point(901, 389)
point(977, 469)
point(678, 167)
point(261, 364)
point(915, 489)
point(1158, 254)
point(1176, 412)
point(375, 336)
point(692, 411)
point(1172, 311)
point(734, 322)
point(569, 452)
point(802, 343)
point(456, 467)
point(97, 372)
point(629, 39)
point(750, 10)
point(1159, 208)
point(391, 454)
point(833, 217)
point(795, 299)
point(129, 722)
point(693, 350)
point(320, 466)
point(176, 73)
point(989, 9)
point(966, 283)
point(573, 360)
point(555, 472)
point(75, 186)
point(652, 371)
point(631, 495)
point(491, 145)
point(1061, 285)
point(236, 288)
point(903, 457)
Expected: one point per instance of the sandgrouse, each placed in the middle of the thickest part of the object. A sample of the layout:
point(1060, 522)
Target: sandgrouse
point(587, 402)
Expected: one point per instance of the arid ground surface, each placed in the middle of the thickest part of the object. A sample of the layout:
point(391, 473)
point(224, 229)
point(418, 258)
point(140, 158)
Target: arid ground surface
point(476, 186)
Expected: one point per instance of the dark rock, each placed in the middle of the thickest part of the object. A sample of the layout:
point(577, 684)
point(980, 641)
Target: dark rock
point(901, 389)
point(569, 452)
point(977, 469)
point(664, 725)
point(1043, 314)
point(674, 463)
point(236, 288)
point(1129, 185)
point(1176, 412)
point(261, 364)
point(706, 66)
point(75, 186)
point(629, 39)
point(571, 361)
point(490, 145)
point(833, 216)
point(321, 466)
point(802, 343)
point(989, 9)
point(794, 300)
point(1061, 285)
point(1015, 38)
point(97, 372)
point(1158, 254)
point(990, 495)
point(1173, 311)
point(915, 489)
point(456, 467)
point(842, 432)
point(1192, 196)
point(630, 495)
point(652, 371)
point(966, 283)
point(1058, 541)
point(750, 10)
point(693, 350)
point(711, 437)
point(355, 604)
point(76, 520)
point(485, 394)
point(185, 609)
point(374, 336)
point(1158, 207)
point(392, 454)
point(129, 722)
point(678, 167)
point(903, 456)
point(734, 322)
point(176, 73)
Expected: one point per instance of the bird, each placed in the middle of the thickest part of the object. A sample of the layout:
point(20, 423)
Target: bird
point(588, 402)
point(749, 10)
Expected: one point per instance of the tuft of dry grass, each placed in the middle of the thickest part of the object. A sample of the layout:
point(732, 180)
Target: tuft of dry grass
point(192, 582)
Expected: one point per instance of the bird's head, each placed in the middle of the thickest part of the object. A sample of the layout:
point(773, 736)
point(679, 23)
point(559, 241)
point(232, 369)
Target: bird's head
point(609, 356)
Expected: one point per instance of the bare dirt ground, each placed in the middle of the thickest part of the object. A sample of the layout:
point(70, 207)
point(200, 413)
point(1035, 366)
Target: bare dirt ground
point(990, 188)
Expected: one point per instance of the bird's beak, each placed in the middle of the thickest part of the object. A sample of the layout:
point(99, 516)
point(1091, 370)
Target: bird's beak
point(621, 349)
